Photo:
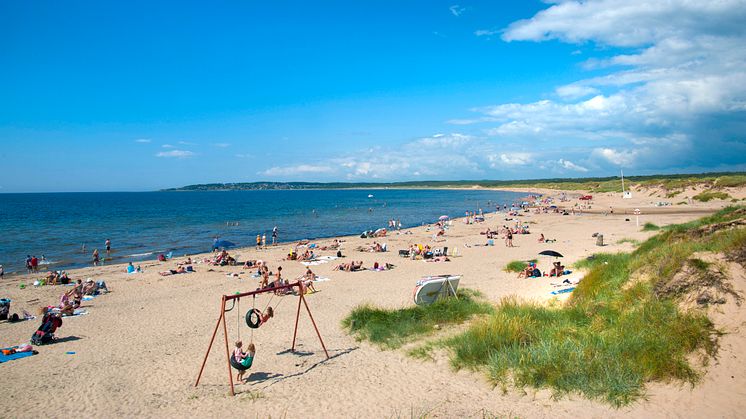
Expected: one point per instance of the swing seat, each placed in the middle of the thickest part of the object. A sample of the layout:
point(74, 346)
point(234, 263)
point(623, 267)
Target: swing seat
point(237, 365)
point(253, 318)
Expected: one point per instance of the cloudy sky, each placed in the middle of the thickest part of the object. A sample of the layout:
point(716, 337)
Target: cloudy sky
point(97, 96)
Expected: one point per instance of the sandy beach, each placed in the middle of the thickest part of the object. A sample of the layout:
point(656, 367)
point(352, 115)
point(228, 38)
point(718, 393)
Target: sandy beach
point(138, 350)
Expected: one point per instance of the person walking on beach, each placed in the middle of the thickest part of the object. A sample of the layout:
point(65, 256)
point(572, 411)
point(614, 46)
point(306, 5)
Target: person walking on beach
point(108, 247)
point(95, 257)
point(509, 238)
point(274, 235)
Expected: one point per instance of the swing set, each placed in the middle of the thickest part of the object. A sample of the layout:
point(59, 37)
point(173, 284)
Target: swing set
point(253, 320)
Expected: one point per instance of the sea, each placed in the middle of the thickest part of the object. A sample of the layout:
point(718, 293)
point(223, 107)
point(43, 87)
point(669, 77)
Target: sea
point(142, 225)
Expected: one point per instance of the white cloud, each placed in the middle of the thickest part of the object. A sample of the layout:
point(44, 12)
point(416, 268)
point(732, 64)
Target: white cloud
point(302, 169)
point(186, 143)
point(222, 145)
point(671, 94)
point(576, 91)
point(175, 154)
point(143, 140)
point(512, 159)
point(485, 32)
point(622, 158)
point(167, 146)
point(457, 10)
point(567, 164)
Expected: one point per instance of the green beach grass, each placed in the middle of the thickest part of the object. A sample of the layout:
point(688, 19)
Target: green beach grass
point(517, 265)
point(391, 328)
point(621, 328)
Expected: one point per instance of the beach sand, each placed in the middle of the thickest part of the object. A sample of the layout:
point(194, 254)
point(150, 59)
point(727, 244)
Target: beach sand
point(138, 351)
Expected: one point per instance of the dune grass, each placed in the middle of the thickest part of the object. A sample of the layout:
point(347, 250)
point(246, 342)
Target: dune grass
point(613, 335)
point(710, 195)
point(391, 328)
point(650, 227)
point(517, 265)
point(618, 330)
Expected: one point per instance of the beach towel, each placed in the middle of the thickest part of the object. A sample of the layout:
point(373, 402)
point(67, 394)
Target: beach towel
point(314, 262)
point(17, 355)
point(321, 279)
point(88, 297)
point(563, 291)
point(76, 312)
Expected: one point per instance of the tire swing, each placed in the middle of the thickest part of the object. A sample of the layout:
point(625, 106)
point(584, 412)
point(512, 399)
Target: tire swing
point(232, 360)
point(253, 318)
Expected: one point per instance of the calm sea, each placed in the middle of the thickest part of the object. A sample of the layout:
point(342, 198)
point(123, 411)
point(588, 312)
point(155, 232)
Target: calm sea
point(143, 224)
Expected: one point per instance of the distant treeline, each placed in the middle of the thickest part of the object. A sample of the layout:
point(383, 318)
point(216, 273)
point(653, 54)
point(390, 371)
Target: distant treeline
point(600, 184)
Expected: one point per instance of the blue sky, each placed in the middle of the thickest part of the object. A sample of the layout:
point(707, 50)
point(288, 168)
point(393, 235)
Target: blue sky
point(144, 95)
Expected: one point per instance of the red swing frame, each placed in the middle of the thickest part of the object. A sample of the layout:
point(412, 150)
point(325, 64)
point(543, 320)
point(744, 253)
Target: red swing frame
point(221, 319)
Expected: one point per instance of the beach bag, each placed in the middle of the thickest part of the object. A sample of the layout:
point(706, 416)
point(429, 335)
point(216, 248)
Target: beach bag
point(339, 253)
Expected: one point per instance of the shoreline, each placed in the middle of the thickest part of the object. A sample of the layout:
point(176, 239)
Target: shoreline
point(620, 210)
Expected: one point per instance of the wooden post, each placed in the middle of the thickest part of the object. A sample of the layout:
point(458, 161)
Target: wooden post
point(227, 351)
point(209, 347)
point(314, 325)
point(297, 316)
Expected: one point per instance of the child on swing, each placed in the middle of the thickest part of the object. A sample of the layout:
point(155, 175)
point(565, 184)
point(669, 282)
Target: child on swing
point(243, 358)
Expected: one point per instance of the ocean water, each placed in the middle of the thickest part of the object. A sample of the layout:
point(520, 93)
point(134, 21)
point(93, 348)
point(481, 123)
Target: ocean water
point(143, 224)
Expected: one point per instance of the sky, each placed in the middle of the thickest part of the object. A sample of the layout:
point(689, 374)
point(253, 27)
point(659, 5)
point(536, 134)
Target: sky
point(132, 96)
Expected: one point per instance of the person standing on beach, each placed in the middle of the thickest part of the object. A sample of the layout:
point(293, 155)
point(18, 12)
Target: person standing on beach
point(274, 235)
point(108, 247)
point(258, 240)
point(95, 257)
point(2, 272)
point(28, 263)
point(264, 240)
point(34, 264)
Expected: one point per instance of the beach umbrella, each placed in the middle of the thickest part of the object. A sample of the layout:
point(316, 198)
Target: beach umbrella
point(551, 253)
point(444, 217)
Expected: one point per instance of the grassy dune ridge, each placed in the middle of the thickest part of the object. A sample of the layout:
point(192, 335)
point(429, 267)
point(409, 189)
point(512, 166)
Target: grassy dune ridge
point(621, 328)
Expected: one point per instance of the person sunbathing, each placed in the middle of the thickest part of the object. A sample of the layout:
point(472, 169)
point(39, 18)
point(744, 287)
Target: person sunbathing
point(179, 270)
point(528, 271)
point(557, 270)
point(90, 287)
point(52, 278)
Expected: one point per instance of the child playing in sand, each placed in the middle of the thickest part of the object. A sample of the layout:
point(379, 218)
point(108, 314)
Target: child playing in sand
point(243, 358)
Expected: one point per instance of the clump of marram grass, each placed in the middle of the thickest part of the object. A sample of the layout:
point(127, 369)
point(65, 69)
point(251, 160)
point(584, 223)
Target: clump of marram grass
point(517, 265)
point(391, 328)
point(710, 195)
point(605, 343)
point(650, 227)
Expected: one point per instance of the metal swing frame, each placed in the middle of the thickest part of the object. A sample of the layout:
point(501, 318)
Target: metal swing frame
point(237, 297)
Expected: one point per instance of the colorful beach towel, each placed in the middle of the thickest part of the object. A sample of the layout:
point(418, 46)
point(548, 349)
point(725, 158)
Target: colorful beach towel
point(11, 357)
